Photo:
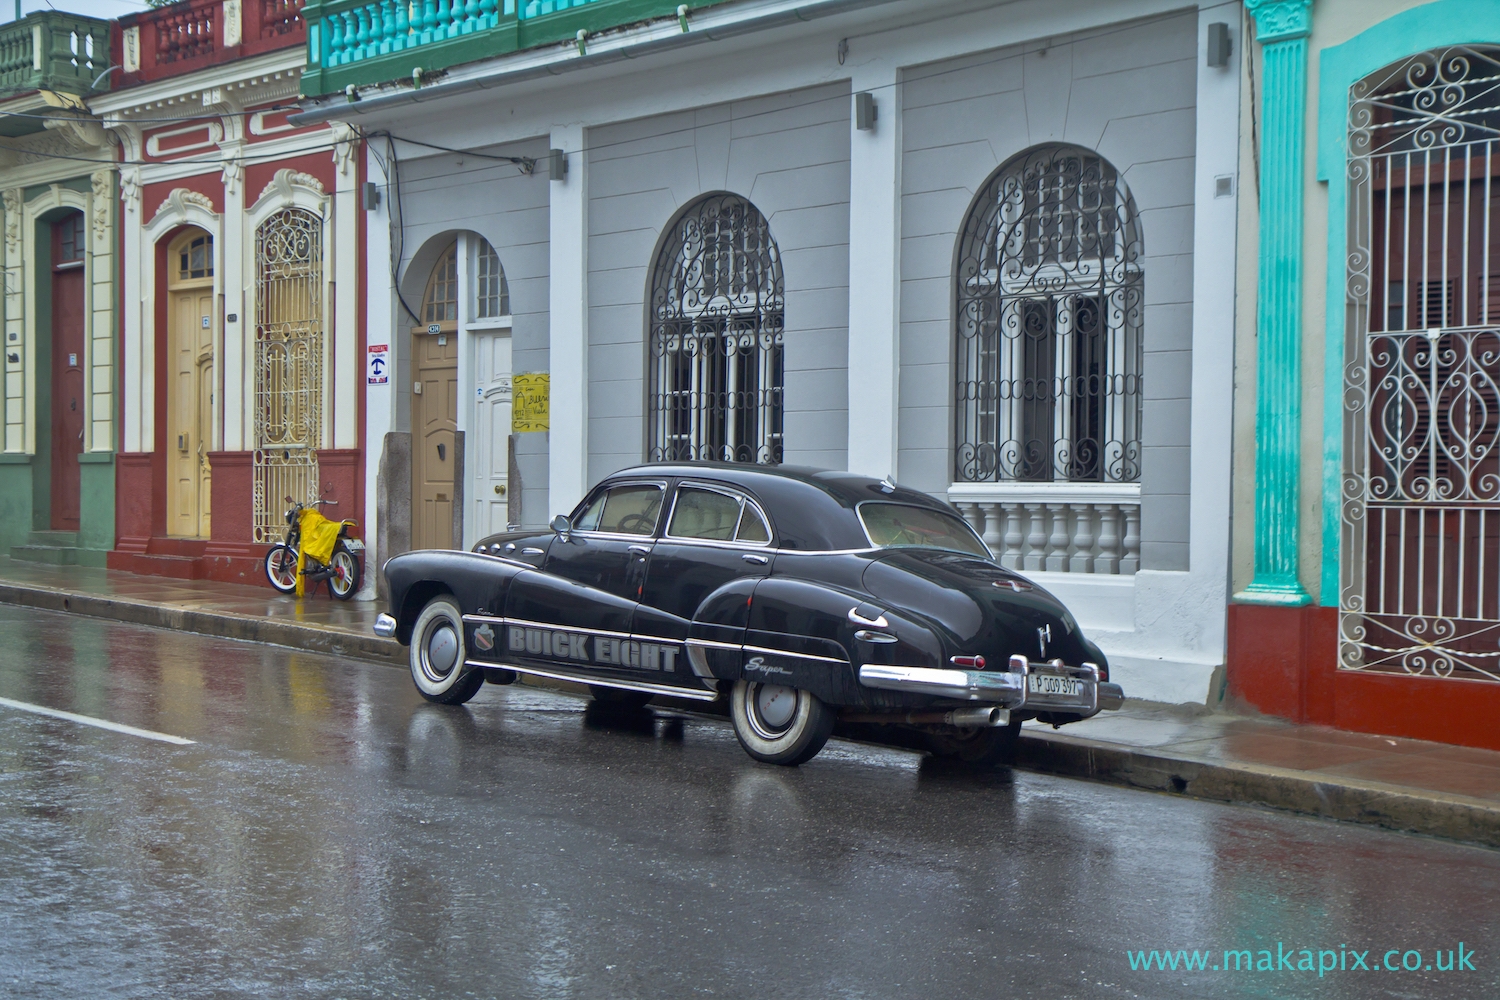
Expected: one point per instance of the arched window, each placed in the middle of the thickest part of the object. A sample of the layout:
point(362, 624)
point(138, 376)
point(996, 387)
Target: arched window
point(491, 293)
point(288, 363)
point(1049, 303)
point(440, 300)
point(1421, 399)
point(195, 257)
point(716, 370)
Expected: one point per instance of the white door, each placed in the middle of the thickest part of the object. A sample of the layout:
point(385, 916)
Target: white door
point(490, 480)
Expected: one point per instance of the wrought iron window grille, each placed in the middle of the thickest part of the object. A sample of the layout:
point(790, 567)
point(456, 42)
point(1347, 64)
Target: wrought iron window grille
point(716, 368)
point(1049, 307)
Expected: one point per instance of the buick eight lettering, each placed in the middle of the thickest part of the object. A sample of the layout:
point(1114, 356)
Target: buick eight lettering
point(802, 597)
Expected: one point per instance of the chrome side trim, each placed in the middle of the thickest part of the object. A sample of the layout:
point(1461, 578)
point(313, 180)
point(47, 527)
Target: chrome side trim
point(581, 678)
point(492, 619)
point(385, 625)
point(712, 644)
point(800, 656)
point(698, 660)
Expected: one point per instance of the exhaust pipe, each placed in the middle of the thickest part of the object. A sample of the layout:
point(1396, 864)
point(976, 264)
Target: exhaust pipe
point(986, 716)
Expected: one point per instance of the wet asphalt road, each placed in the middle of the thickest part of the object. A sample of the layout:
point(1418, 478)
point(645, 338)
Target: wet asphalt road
point(330, 835)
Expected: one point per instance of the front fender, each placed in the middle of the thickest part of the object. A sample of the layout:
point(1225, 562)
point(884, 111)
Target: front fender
point(478, 582)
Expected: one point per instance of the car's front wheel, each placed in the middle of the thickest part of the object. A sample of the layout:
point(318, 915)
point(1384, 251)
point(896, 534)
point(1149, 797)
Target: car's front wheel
point(437, 654)
point(983, 746)
point(778, 724)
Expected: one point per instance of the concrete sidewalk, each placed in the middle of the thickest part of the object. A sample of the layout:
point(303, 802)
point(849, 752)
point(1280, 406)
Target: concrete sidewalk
point(1402, 784)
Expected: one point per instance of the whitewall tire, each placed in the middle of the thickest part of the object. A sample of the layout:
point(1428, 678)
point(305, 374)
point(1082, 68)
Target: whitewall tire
point(437, 654)
point(777, 724)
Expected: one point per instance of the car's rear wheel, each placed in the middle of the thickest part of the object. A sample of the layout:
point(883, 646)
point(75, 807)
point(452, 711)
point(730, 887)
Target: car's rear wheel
point(626, 701)
point(984, 746)
point(437, 654)
point(778, 724)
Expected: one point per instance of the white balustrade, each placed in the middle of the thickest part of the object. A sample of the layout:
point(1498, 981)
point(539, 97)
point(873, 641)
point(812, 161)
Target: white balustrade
point(1056, 527)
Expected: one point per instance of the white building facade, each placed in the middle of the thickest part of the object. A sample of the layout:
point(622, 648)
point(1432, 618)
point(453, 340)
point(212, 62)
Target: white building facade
point(987, 250)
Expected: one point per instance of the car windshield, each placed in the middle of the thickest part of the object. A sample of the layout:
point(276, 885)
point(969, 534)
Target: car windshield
point(895, 525)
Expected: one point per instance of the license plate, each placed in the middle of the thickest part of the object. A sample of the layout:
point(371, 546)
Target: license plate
point(1051, 684)
point(354, 545)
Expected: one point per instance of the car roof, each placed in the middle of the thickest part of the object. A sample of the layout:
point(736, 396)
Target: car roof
point(811, 509)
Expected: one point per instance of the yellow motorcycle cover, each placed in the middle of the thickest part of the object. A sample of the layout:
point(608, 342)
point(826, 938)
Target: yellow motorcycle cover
point(318, 538)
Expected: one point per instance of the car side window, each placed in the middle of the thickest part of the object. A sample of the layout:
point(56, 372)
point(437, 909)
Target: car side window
point(704, 514)
point(753, 526)
point(629, 510)
point(589, 519)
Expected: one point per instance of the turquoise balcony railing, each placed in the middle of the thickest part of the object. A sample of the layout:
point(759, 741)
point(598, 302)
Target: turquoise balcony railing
point(362, 42)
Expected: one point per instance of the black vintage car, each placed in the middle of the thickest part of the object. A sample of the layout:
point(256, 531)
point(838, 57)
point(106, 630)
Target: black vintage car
point(804, 597)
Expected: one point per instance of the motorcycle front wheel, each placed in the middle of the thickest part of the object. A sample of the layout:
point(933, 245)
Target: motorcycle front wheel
point(281, 568)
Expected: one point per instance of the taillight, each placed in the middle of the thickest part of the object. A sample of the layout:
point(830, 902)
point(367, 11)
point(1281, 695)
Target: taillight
point(968, 662)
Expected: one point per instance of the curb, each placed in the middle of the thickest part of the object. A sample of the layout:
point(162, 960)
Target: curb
point(1437, 814)
point(219, 624)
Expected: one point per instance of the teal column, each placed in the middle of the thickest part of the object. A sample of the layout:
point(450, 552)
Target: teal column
point(1281, 27)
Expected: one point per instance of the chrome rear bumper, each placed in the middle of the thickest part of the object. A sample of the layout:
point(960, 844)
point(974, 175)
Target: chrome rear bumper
point(1078, 688)
point(385, 626)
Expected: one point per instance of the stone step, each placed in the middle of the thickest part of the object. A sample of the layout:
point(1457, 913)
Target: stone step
point(55, 539)
point(55, 555)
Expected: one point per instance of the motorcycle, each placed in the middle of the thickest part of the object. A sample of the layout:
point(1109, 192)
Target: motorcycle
point(343, 570)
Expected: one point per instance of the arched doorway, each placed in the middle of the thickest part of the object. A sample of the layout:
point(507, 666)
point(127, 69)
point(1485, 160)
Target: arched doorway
point(190, 382)
point(68, 303)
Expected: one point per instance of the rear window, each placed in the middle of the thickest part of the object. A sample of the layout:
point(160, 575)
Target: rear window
point(896, 525)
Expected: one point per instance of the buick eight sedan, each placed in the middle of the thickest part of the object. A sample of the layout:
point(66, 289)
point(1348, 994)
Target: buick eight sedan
point(804, 597)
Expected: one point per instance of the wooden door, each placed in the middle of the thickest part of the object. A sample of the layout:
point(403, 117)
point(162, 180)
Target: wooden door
point(491, 477)
point(190, 349)
point(67, 391)
point(434, 430)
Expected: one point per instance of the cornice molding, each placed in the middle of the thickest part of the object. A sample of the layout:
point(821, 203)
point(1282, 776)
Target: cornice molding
point(1280, 20)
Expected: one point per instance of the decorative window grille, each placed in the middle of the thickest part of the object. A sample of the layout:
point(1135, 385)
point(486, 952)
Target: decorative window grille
point(440, 301)
point(491, 293)
point(288, 364)
point(716, 368)
point(195, 259)
point(1419, 592)
point(1049, 307)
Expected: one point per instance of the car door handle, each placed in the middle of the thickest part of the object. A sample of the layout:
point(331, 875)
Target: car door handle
point(865, 635)
point(757, 560)
point(529, 551)
point(640, 550)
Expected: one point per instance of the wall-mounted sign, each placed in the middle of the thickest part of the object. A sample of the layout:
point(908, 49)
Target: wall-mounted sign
point(379, 364)
point(531, 402)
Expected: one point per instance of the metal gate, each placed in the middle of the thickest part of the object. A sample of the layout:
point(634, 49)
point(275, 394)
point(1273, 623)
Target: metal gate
point(288, 364)
point(1420, 572)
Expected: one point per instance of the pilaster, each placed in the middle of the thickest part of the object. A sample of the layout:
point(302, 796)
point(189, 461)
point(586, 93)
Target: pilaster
point(1282, 27)
point(568, 340)
point(874, 279)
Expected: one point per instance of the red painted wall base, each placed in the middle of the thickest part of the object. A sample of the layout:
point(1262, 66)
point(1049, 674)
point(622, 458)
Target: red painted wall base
point(228, 557)
point(1284, 662)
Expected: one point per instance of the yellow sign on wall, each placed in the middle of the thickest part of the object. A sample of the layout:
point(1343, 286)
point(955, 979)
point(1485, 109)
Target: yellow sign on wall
point(531, 402)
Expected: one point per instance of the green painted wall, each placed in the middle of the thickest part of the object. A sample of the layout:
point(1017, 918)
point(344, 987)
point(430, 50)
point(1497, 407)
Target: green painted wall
point(15, 500)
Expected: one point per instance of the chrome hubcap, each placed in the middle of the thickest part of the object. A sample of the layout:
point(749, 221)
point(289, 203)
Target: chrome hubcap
point(441, 651)
point(772, 708)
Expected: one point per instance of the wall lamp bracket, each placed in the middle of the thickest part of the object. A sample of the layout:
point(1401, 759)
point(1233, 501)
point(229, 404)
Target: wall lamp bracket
point(865, 111)
point(1219, 45)
point(557, 165)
